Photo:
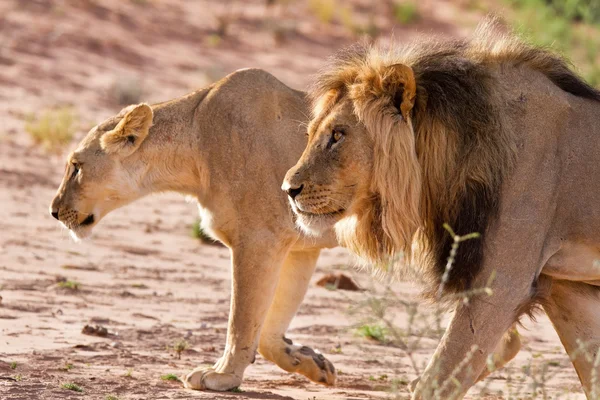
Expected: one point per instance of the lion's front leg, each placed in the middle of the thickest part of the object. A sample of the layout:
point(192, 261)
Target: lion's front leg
point(506, 350)
point(255, 273)
point(274, 346)
point(478, 325)
point(460, 358)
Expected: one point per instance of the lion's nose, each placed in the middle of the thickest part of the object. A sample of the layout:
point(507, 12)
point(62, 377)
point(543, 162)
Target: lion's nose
point(54, 213)
point(294, 191)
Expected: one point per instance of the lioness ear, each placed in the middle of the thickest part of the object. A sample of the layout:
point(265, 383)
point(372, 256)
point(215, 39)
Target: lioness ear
point(399, 82)
point(130, 132)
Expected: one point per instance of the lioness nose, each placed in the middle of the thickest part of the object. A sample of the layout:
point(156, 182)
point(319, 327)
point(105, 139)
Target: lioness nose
point(54, 213)
point(294, 191)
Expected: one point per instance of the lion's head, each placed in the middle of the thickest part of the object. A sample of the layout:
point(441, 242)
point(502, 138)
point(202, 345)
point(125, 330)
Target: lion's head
point(360, 171)
point(101, 174)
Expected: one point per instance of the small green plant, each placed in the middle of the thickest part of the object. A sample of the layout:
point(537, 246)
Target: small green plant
point(13, 365)
point(169, 377)
point(68, 367)
point(129, 373)
point(18, 378)
point(180, 346)
point(72, 386)
point(323, 9)
point(236, 390)
point(213, 40)
point(111, 397)
point(373, 332)
point(406, 12)
point(71, 285)
point(397, 382)
point(139, 286)
point(198, 233)
point(53, 129)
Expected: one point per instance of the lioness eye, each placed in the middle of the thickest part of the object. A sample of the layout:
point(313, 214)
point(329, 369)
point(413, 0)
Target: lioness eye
point(75, 170)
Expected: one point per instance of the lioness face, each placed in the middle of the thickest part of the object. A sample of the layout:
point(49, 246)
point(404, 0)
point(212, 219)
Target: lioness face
point(102, 174)
point(334, 171)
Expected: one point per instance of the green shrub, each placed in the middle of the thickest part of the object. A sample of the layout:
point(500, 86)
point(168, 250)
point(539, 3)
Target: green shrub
point(406, 12)
point(373, 332)
point(72, 386)
point(323, 9)
point(169, 377)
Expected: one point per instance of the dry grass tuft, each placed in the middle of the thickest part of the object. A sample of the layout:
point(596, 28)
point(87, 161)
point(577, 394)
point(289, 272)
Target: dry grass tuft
point(53, 129)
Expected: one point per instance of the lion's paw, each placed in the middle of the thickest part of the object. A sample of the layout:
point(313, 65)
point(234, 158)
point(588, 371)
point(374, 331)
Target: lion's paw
point(208, 379)
point(312, 364)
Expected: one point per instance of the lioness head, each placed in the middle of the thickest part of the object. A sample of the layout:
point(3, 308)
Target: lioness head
point(101, 174)
point(359, 172)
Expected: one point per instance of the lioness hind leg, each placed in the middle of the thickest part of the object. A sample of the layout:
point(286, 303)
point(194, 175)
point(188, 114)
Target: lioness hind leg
point(573, 310)
point(274, 346)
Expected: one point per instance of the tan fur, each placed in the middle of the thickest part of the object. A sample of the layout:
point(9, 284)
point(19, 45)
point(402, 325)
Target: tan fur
point(228, 146)
point(501, 140)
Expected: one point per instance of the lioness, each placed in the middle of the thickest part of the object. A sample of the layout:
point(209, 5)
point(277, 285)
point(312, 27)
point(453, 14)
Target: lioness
point(489, 135)
point(228, 146)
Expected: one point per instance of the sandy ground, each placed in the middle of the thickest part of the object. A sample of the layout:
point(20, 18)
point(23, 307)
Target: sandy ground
point(143, 276)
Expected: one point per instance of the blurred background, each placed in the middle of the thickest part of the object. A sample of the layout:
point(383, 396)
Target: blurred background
point(161, 293)
point(75, 61)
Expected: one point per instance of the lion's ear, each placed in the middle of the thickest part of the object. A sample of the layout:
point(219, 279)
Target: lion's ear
point(130, 132)
point(399, 82)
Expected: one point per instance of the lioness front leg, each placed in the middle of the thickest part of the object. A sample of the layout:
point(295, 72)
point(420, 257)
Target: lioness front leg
point(255, 273)
point(295, 276)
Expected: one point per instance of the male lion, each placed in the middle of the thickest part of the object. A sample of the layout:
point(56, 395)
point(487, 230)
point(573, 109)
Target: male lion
point(489, 135)
point(228, 146)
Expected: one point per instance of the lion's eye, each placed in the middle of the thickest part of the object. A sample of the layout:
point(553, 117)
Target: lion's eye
point(336, 136)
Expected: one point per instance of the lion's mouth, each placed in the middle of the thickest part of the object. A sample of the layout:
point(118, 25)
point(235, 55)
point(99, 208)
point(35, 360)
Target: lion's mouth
point(73, 225)
point(316, 224)
point(328, 214)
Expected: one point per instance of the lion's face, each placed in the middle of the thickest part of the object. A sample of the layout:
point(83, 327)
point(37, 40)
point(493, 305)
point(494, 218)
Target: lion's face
point(333, 172)
point(360, 173)
point(101, 174)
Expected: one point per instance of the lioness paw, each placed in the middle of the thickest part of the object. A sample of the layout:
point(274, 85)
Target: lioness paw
point(206, 378)
point(312, 364)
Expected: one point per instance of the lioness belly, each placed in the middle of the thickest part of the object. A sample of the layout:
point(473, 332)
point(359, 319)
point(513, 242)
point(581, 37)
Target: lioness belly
point(575, 262)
